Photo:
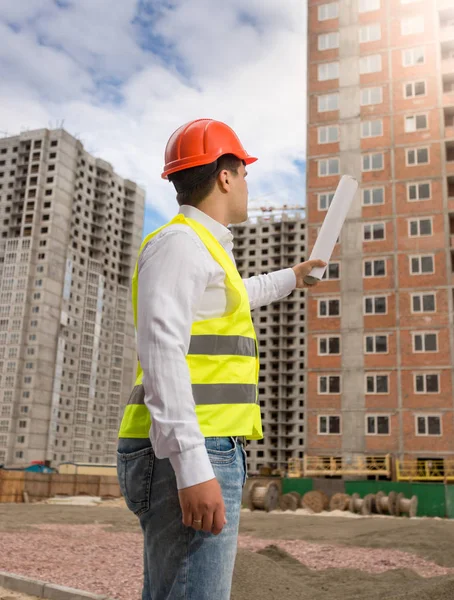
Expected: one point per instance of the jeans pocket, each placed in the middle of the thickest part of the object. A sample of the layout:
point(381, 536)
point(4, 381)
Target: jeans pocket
point(135, 470)
point(221, 451)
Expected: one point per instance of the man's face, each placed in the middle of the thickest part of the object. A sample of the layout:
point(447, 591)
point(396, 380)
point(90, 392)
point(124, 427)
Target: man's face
point(239, 196)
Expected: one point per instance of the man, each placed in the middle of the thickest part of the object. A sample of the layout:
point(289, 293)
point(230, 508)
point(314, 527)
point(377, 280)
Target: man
point(181, 458)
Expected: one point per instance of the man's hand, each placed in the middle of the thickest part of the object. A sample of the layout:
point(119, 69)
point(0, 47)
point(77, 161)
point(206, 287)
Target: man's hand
point(203, 506)
point(304, 269)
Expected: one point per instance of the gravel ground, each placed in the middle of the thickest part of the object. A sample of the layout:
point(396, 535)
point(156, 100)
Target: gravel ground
point(295, 557)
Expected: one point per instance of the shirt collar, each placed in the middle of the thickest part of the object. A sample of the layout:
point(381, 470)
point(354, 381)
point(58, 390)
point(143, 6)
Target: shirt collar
point(221, 233)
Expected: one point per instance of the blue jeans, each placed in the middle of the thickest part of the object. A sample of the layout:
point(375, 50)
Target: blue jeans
point(179, 562)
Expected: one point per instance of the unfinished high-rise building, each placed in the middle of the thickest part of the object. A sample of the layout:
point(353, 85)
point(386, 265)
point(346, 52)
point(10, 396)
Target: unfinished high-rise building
point(70, 230)
point(260, 247)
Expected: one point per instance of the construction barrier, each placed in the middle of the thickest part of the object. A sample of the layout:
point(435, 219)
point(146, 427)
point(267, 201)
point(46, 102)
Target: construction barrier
point(20, 486)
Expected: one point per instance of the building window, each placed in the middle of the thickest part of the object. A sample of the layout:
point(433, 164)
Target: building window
point(329, 424)
point(415, 123)
point(332, 272)
point(376, 344)
point(328, 102)
point(414, 89)
point(377, 384)
point(426, 383)
point(368, 5)
point(375, 268)
point(329, 307)
point(373, 232)
point(19, 454)
point(422, 264)
point(324, 200)
point(428, 424)
point(373, 162)
point(413, 56)
point(420, 227)
point(425, 342)
point(373, 196)
point(328, 167)
point(328, 11)
point(328, 41)
point(370, 64)
point(418, 191)
point(412, 25)
point(329, 384)
point(375, 305)
point(417, 156)
point(421, 303)
point(327, 71)
point(369, 33)
point(22, 424)
point(328, 135)
point(377, 425)
point(329, 345)
point(372, 128)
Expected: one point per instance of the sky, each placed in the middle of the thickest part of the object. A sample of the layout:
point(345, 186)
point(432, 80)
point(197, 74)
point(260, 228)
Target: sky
point(122, 75)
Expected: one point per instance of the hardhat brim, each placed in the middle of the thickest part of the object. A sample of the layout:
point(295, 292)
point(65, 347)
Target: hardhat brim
point(198, 161)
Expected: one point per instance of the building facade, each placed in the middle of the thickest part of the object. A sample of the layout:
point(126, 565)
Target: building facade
point(260, 247)
point(70, 230)
point(380, 327)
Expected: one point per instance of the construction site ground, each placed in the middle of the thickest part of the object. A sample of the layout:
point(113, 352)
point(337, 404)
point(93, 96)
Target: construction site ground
point(281, 555)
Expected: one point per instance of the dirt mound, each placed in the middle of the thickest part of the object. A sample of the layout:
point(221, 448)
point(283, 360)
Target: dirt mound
point(271, 574)
point(257, 576)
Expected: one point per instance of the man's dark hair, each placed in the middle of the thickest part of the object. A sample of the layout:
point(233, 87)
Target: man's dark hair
point(195, 184)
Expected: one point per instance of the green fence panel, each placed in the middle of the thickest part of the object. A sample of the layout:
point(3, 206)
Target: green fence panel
point(294, 484)
point(431, 499)
point(372, 487)
point(449, 494)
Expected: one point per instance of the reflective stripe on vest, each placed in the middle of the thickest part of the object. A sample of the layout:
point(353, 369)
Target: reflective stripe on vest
point(222, 360)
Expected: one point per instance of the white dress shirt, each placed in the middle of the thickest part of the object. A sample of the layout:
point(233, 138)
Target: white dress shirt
point(179, 283)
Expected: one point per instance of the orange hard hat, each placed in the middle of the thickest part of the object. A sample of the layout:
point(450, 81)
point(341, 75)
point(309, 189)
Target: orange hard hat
point(201, 142)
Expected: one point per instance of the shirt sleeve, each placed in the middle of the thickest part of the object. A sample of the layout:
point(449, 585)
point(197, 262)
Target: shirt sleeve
point(268, 288)
point(173, 275)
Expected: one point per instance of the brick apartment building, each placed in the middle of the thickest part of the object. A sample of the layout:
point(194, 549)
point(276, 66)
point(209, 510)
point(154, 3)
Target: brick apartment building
point(380, 345)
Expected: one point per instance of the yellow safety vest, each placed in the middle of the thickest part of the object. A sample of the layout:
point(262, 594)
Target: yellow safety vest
point(222, 358)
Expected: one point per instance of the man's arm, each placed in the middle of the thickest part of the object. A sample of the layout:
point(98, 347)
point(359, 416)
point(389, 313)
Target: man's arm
point(265, 289)
point(173, 275)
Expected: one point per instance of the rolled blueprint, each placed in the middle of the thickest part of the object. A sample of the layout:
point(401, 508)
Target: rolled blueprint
point(332, 225)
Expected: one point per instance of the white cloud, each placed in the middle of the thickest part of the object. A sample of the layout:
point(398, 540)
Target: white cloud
point(241, 63)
